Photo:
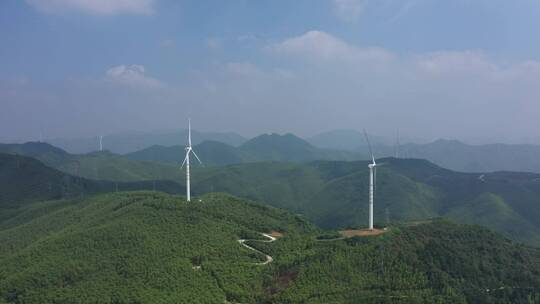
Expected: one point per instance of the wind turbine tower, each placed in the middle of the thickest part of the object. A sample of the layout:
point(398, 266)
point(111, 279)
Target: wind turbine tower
point(189, 150)
point(101, 143)
point(372, 180)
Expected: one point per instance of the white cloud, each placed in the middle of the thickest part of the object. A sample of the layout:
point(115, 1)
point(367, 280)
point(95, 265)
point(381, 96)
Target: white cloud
point(317, 45)
point(349, 10)
point(469, 62)
point(471, 85)
point(132, 76)
point(95, 7)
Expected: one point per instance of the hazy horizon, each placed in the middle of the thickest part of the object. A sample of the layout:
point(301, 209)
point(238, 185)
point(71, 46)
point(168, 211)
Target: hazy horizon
point(386, 139)
point(76, 69)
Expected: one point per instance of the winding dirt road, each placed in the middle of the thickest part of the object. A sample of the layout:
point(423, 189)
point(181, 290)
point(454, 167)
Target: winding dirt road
point(269, 259)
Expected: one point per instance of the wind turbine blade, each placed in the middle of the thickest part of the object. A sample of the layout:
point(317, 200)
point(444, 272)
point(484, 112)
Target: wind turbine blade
point(197, 157)
point(184, 162)
point(369, 145)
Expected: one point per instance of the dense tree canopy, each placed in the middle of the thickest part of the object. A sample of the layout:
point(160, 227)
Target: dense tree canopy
point(151, 247)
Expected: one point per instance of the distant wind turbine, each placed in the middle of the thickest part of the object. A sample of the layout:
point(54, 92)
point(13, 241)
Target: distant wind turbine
point(372, 181)
point(101, 143)
point(186, 162)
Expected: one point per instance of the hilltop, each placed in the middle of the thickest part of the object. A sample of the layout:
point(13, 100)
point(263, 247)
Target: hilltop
point(148, 247)
point(266, 147)
point(122, 143)
point(211, 152)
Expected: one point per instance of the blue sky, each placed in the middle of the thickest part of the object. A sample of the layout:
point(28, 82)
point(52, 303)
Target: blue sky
point(456, 69)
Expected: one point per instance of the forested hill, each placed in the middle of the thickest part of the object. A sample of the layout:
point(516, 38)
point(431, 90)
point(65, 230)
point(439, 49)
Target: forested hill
point(102, 165)
point(140, 247)
point(331, 193)
point(47, 153)
point(148, 247)
point(335, 194)
point(24, 180)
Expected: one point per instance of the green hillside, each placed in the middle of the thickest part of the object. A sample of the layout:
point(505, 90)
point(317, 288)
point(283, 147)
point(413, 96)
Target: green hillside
point(489, 208)
point(332, 194)
point(211, 152)
point(109, 166)
point(335, 194)
point(138, 247)
point(24, 180)
point(96, 165)
point(150, 247)
point(48, 154)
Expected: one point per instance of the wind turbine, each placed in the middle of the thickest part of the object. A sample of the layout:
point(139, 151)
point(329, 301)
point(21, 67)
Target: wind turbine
point(101, 143)
point(186, 162)
point(372, 181)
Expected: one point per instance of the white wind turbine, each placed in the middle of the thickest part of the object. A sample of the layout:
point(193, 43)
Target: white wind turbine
point(186, 162)
point(372, 181)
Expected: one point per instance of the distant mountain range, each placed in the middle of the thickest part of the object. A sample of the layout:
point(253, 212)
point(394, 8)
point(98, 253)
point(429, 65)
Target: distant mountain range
point(129, 142)
point(229, 148)
point(458, 156)
point(345, 139)
point(451, 154)
point(266, 147)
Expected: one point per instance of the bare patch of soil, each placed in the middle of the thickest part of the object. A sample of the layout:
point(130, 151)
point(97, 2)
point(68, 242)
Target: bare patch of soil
point(361, 232)
point(276, 234)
